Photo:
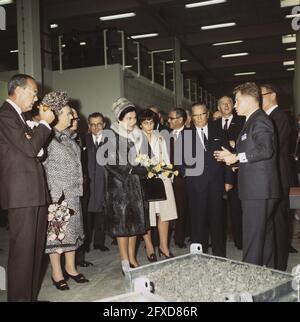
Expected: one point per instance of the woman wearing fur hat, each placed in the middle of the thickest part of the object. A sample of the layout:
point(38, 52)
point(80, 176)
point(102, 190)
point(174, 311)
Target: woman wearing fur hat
point(125, 206)
point(64, 177)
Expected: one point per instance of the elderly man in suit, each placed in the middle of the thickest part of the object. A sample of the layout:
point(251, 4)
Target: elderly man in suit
point(259, 188)
point(205, 191)
point(283, 131)
point(232, 125)
point(23, 190)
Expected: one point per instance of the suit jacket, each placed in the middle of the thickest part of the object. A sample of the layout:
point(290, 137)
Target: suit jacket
point(214, 173)
point(235, 126)
point(283, 131)
point(21, 173)
point(258, 178)
point(97, 177)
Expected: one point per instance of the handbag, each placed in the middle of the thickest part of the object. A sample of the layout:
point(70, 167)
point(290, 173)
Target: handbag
point(153, 189)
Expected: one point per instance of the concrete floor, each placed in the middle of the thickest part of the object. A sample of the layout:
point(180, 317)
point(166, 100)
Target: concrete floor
point(105, 276)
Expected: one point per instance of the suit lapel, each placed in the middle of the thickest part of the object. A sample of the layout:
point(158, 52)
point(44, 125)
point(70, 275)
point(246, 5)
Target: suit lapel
point(246, 124)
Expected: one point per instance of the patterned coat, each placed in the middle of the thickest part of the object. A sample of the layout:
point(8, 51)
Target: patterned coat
point(64, 176)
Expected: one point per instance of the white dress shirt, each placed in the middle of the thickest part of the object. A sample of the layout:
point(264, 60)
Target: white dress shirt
point(97, 139)
point(228, 122)
point(203, 130)
point(271, 109)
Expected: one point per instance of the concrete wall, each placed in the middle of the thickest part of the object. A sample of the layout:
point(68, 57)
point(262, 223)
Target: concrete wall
point(92, 89)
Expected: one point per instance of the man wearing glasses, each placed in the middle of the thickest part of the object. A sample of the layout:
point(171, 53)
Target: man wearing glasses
point(97, 186)
point(283, 131)
point(206, 190)
point(23, 189)
point(177, 118)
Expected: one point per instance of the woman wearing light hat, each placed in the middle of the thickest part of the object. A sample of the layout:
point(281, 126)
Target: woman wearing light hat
point(126, 209)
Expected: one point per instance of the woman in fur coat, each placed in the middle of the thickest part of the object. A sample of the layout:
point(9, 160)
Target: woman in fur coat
point(126, 209)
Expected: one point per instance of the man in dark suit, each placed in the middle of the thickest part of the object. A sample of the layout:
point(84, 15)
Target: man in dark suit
point(259, 188)
point(283, 130)
point(97, 183)
point(23, 190)
point(205, 191)
point(232, 125)
point(177, 119)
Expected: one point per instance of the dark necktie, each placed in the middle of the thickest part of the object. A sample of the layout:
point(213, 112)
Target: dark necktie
point(23, 117)
point(204, 137)
point(226, 125)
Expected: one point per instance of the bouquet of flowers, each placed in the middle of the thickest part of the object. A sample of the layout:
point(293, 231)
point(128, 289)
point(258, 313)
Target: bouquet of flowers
point(58, 220)
point(155, 168)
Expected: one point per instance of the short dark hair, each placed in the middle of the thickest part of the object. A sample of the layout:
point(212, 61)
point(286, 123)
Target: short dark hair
point(127, 110)
point(250, 89)
point(180, 112)
point(18, 80)
point(94, 115)
point(270, 88)
point(148, 115)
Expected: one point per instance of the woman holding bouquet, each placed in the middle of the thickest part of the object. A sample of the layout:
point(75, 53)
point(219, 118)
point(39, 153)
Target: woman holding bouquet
point(64, 177)
point(125, 205)
point(161, 212)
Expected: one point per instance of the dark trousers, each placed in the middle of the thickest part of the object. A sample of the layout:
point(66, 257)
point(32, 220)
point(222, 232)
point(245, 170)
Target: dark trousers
point(180, 194)
point(236, 217)
point(281, 226)
point(26, 247)
point(207, 219)
point(96, 224)
point(258, 231)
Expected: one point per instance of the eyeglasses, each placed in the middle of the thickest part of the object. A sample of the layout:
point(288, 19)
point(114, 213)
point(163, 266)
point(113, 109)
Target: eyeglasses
point(201, 114)
point(266, 93)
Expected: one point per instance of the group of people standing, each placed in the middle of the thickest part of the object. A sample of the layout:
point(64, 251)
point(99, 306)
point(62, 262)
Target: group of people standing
point(244, 155)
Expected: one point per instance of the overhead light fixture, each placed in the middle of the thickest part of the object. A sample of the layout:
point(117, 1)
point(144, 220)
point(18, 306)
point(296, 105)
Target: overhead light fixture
point(120, 16)
point(128, 66)
point(53, 25)
point(235, 55)
point(161, 51)
point(82, 43)
point(245, 74)
point(14, 51)
point(220, 25)
point(3, 2)
point(173, 61)
point(287, 39)
point(204, 3)
point(63, 45)
point(228, 43)
point(289, 3)
point(145, 36)
point(289, 63)
point(291, 48)
point(290, 69)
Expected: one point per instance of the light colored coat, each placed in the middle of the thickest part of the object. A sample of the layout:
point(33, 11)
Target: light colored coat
point(167, 208)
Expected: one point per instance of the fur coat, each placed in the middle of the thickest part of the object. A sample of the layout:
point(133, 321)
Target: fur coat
point(127, 213)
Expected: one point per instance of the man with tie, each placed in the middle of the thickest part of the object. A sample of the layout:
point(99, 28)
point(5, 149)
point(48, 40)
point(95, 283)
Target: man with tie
point(97, 185)
point(205, 191)
point(283, 131)
point(23, 188)
point(259, 188)
point(177, 118)
point(232, 125)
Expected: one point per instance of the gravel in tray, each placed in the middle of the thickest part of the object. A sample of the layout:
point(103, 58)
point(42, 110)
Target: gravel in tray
point(210, 280)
